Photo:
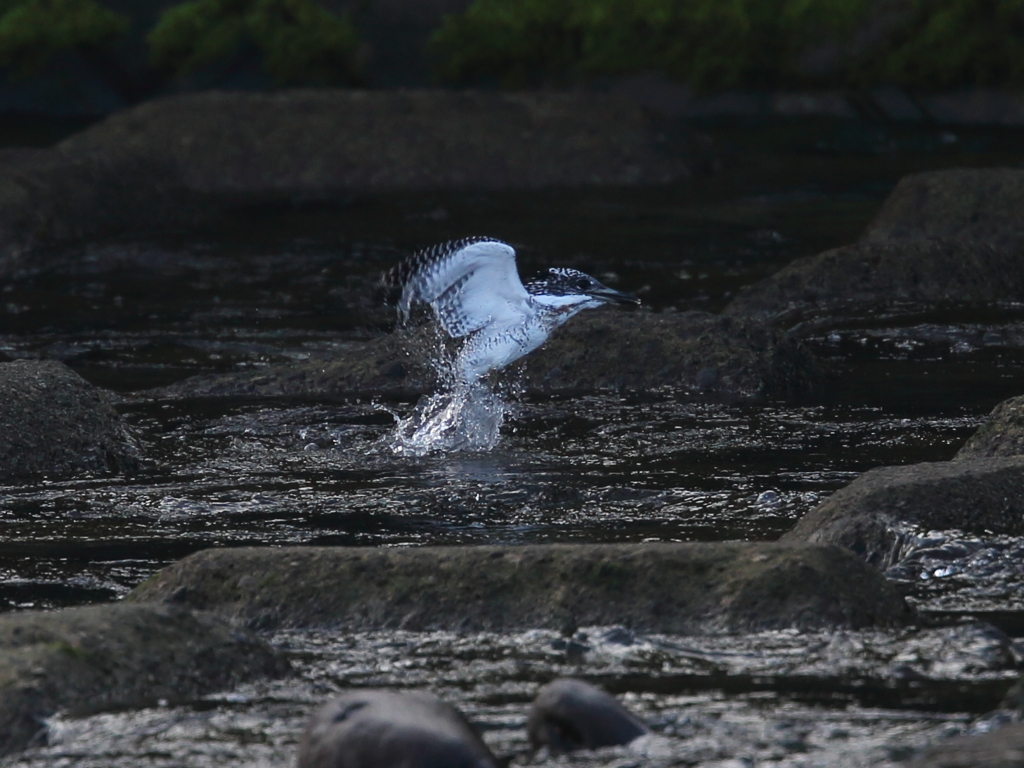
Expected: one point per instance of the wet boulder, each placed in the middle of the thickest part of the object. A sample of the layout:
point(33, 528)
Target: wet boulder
point(695, 588)
point(568, 714)
point(1001, 434)
point(879, 272)
point(870, 515)
point(390, 729)
point(53, 422)
point(107, 657)
point(697, 352)
point(977, 204)
point(1001, 748)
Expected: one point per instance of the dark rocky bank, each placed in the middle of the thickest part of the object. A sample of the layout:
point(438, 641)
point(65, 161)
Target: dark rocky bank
point(607, 350)
point(178, 158)
point(683, 588)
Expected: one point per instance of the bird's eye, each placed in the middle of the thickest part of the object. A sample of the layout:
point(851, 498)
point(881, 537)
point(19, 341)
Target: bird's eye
point(582, 283)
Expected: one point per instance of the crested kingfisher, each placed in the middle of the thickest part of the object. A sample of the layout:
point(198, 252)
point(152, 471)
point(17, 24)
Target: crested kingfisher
point(473, 287)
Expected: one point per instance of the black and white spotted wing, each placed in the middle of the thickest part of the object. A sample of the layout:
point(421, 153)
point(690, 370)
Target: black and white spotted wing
point(469, 284)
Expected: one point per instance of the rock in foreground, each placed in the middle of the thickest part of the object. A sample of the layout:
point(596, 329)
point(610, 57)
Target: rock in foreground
point(980, 204)
point(606, 350)
point(388, 729)
point(570, 714)
point(1002, 748)
point(86, 660)
point(52, 421)
point(885, 272)
point(868, 515)
point(680, 588)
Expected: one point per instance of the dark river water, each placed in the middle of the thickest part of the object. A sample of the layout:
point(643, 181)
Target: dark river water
point(298, 282)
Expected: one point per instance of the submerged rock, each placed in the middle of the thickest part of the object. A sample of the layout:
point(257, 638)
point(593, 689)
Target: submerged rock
point(85, 660)
point(885, 272)
point(570, 714)
point(1001, 748)
point(869, 515)
point(979, 204)
point(684, 588)
point(695, 351)
point(388, 729)
point(1001, 434)
point(52, 421)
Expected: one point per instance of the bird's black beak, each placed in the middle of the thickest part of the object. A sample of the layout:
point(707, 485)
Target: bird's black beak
point(612, 296)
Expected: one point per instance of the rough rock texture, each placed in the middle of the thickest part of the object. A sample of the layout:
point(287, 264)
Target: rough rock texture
point(687, 588)
point(169, 159)
point(568, 714)
point(971, 203)
point(1002, 748)
point(86, 660)
point(704, 353)
point(324, 140)
point(974, 495)
point(1001, 434)
point(389, 729)
point(878, 272)
point(52, 421)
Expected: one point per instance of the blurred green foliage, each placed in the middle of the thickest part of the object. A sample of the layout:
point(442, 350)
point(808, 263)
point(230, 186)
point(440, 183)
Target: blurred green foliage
point(714, 44)
point(947, 43)
point(302, 44)
point(32, 31)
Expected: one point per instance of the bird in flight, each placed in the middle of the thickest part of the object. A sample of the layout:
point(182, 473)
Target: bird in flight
point(473, 287)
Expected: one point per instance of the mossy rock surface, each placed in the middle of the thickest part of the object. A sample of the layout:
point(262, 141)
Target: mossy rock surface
point(985, 204)
point(882, 273)
point(684, 588)
point(80, 661)
point(1001, 434)
point(974, 495)
point(54, 422)
point(704, 354)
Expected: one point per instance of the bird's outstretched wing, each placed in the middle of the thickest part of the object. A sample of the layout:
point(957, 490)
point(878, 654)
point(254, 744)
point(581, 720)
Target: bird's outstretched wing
point(468, 283)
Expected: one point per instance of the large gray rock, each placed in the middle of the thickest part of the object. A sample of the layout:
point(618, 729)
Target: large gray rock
point(972, 203)
point(604, 350)
point(568, 714)
point(884, 272)
point(53, 422)
point(388, 729)
point(1001, 434)
point(868, 515)
point(171, 159)
point(684, 588)
point(1001, 748)
point(85, 660)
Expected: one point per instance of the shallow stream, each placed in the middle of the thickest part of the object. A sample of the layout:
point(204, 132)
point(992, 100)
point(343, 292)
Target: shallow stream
point(297, 282)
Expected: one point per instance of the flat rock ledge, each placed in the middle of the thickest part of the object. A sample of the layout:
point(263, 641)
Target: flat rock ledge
point(1001, 434)
point(80, 661)
point(1001, 748)
point(869, 515)
point(886, 273)
point(605, 350)
point(678, 588)
point(173, 159)
point(54, 422)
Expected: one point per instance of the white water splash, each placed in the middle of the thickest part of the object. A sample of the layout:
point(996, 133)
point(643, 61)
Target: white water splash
point(458, 419)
